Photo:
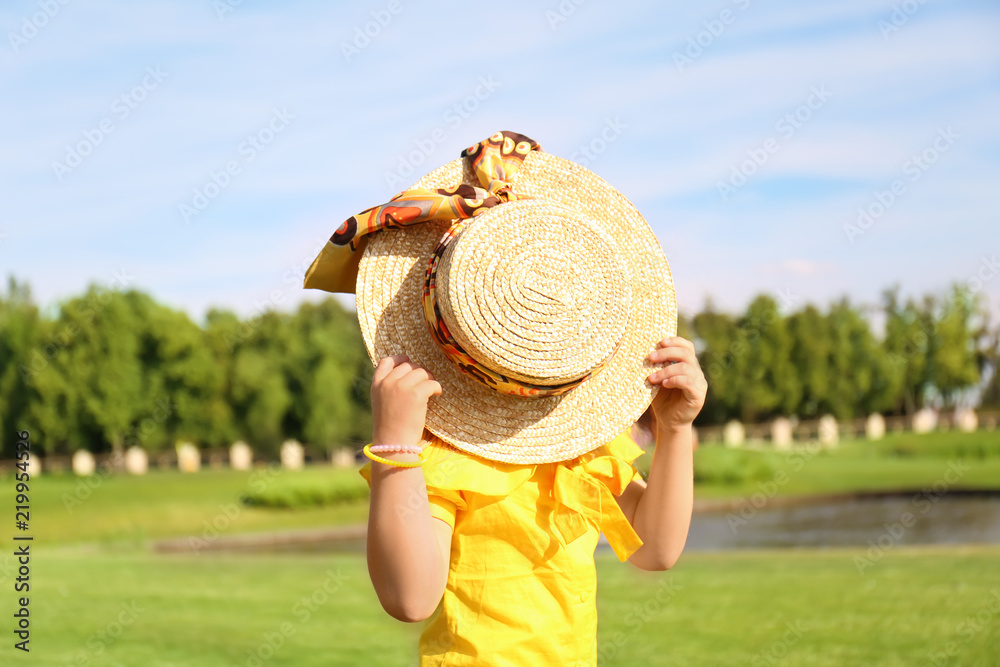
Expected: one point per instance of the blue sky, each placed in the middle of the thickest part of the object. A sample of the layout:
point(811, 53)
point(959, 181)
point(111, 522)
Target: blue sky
point(749, 134)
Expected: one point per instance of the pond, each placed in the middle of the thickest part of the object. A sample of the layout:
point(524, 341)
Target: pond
point(833, 521)
point(897, 518)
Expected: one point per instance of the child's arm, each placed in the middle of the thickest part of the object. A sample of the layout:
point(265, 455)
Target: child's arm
point(408, 550)
point(660, 509)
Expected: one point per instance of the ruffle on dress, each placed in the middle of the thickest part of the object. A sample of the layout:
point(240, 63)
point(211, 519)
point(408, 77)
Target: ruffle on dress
point(584, 488)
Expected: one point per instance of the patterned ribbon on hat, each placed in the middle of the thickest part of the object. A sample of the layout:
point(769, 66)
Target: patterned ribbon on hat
point(457, 355)
point(494, 161)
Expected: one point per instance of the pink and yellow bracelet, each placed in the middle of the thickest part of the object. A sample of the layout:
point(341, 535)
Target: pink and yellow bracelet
point(370, 450)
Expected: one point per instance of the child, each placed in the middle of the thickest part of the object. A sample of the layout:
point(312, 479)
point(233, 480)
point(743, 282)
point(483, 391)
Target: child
point(521, 326)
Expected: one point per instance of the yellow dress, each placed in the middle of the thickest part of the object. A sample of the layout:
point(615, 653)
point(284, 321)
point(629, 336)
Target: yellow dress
point(522, 580)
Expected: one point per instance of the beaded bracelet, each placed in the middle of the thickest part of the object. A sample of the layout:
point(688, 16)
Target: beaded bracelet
point(412, 449)
point(398, 464)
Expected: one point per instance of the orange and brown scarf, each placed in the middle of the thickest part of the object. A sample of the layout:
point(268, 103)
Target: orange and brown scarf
point(494, 161)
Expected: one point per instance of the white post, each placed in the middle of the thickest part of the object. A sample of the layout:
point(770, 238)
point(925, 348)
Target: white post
point(188, 457)
point(924, 421)
point(781, 433)
point(829, 432)
point(292, 455)
point(240, 456)
point(343, 457)
point(875, 426)
point(734, 434)
point(136, 460)
point(83, 463)
point(966, 420)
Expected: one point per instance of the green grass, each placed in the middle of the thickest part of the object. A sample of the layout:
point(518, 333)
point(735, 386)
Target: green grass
point(725, 609)
point(713, 609)
point(309, 488)
point(898, 462)
point(125, 508)
point(981, 445)
point(128, 509)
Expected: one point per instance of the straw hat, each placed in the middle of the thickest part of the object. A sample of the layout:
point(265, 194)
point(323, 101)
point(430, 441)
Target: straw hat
point(542, 307)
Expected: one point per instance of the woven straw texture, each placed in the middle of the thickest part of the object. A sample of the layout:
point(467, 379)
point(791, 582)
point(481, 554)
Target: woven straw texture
point(542, 290)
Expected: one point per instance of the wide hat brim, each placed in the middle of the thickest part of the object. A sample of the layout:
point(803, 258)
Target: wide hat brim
point(476, 418)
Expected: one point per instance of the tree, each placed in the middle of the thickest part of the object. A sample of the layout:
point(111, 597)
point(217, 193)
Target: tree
point(21, 330)
point(988, 362)
point(906, 347)
point(715, 334)
point(810, 355)
point(111, 369)
point(771, 385)
point(99, 344)
point(332, 372)
point(183, 386)
point(855, 363)
point(952, 361)
point(259, 390)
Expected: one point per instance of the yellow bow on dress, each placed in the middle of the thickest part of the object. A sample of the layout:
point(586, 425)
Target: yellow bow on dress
point(585, 491)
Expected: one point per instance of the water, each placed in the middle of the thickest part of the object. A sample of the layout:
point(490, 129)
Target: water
point(902, 518)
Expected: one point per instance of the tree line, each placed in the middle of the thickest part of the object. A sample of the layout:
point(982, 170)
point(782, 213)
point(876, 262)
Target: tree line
point(109, 369)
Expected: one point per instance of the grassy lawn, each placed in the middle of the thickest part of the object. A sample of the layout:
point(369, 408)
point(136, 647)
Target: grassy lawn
point(838, 473)
point(904, 462)
point(128, 509)
point(125, 509)
point(745, 608)
point(98, 597)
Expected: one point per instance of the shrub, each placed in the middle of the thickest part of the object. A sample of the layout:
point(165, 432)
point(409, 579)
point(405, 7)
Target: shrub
point(310, 488)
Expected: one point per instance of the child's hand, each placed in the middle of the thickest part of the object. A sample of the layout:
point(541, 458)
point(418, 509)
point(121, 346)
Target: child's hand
point(683, 384)
point(400, 391)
